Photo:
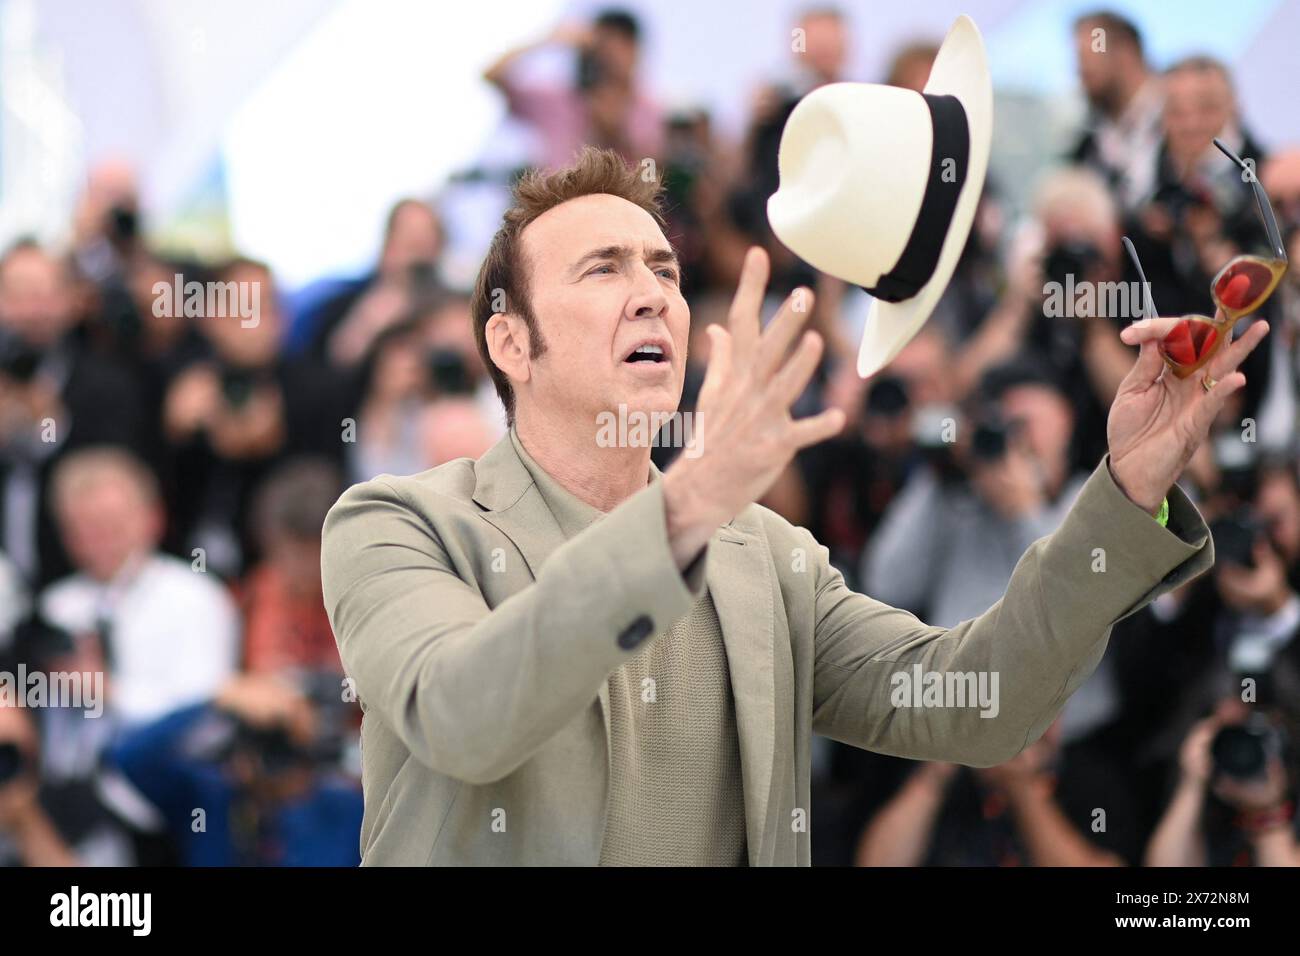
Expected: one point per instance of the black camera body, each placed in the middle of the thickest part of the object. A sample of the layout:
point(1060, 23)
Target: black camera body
point(590, 71)
point(1178, 200)
point(448, 373)
point(12, 762)
point(1243, 751)
point(18, 360)
point(239, 384)
point(887, 397)
point(1235, 536)
point(991, 438)
point(277, 751)
point(1071, 257)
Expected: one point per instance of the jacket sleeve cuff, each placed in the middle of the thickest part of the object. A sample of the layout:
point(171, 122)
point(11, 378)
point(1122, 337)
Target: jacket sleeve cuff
point(1140, 559)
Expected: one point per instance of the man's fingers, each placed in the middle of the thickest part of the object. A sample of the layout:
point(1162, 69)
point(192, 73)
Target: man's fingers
point(743, 319)
point(1207, 410)
point(1145, 330)
point(719, 363)
point(1231, 357)
point(789, 383)
point(1148, 334)
point(816, 428)
point(1147, 367)
point(776, 339)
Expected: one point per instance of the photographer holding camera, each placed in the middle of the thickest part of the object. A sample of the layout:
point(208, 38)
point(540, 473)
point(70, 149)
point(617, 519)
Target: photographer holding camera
point(28, 837)
point(1197, 216)
point(1057, 304)
point(948, 543)
point(232, 416)
point(55, 396)
point(251, 777)
point(1233, 802)
point(426, 397)
point(605, 106)
point(57, 805)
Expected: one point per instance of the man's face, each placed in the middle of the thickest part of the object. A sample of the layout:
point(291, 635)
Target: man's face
point(36, 302)
point(1198, 105)
point(1098, 69)
point(616, 52)
point(825, 46)
point(603, 280)
point(413, 240)
point(107, 523)
point(924, 364)
point(241, 340)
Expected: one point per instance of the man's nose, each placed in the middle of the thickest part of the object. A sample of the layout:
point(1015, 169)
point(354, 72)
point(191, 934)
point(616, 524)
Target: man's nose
point(647, 299)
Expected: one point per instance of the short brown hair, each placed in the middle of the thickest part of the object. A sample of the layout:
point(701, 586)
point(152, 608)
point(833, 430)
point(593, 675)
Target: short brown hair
point(292, 501)
point(1112, 23)
point(504, 272)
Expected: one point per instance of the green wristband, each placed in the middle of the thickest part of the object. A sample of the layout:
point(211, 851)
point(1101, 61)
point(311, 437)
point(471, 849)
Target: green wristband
point(1162, 516)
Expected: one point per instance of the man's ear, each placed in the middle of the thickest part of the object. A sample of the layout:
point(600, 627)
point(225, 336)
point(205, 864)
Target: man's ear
point(509, 345)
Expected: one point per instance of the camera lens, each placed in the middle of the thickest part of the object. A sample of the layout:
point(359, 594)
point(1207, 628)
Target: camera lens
point(1239, 752)
point(11, 762)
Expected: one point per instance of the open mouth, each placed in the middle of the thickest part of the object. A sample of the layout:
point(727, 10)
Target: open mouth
point(647, 353)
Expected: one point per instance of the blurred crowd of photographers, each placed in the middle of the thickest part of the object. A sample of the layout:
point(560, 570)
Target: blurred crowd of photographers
point(164, 477)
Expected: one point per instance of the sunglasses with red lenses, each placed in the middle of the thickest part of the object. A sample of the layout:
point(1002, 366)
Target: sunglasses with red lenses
point(1240, 288)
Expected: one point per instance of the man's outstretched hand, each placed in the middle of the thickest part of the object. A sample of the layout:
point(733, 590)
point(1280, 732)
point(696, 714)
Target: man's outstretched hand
point(1157, 419)
point(745, 433)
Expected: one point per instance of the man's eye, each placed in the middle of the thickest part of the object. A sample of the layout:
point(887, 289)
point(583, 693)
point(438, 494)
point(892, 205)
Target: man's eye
point(669, 274)
point(596, 269)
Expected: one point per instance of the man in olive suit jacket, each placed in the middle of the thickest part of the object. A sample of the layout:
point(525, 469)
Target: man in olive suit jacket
point(567, 657)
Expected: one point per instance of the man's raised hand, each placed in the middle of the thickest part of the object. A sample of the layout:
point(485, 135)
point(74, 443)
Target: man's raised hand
point(744, 431)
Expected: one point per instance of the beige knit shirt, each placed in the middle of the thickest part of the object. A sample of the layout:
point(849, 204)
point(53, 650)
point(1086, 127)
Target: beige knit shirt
point(675, 791)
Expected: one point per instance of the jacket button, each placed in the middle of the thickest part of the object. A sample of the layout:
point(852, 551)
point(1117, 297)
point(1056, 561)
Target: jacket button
point(635, 633)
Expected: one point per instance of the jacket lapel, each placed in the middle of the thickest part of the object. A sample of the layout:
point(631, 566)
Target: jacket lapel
point(515, 507)
point(739, 578)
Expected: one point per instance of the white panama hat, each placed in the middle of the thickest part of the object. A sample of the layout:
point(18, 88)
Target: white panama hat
point(879, 186)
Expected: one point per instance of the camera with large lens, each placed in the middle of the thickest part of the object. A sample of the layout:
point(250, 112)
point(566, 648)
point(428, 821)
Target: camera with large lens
point(238, 384)
point(1066, 264)
point(991, 437)
point(1234, 537)
point(933, 432)
point(887, 397)
point(1243, 751)
point(12, 762)
point(1178, 200)
point(122, 224)
point(1070, 257)
point(18, 360)
point(590, 70)
point(275, 748)
point(448, 373)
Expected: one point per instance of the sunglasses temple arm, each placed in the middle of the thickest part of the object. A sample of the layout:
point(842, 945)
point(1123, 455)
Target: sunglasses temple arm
point(1148, 304)
point(1270, 221)
point(1261, 197)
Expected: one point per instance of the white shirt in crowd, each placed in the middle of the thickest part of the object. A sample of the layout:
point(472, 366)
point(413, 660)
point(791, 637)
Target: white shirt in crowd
point(174, 633)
